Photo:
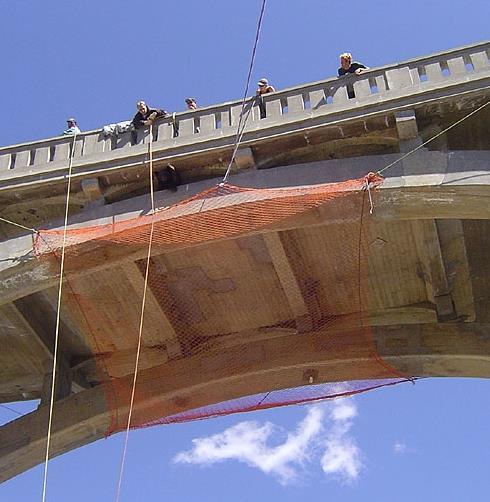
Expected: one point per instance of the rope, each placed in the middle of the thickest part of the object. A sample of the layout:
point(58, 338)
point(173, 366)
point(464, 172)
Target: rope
point(19, 225)
point(433, 138)
point(58, 316)
point(240, 133)
point(140, 334)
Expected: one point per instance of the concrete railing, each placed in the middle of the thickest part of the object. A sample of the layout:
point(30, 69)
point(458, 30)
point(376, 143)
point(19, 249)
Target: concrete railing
point(318, 98)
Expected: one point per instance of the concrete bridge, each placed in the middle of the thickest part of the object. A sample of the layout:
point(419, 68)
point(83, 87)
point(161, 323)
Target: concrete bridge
point(429, 265)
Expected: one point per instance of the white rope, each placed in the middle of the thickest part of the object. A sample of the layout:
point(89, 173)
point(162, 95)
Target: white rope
point(18, 225)
point(241, 130)
point(140, 334)
point(58, 316)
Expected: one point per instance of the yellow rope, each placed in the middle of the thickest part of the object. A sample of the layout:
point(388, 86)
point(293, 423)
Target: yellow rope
point(140, 334)
point(433, 137)
point(58, 315)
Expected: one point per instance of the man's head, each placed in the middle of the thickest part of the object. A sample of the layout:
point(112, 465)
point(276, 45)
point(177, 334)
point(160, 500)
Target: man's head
point(71, 122)
point(345, 60)
point(263, 83)
point(191, 103)
point(141, 106)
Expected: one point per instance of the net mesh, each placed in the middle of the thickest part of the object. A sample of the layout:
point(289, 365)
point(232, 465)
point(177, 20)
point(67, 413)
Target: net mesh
point(256, 298)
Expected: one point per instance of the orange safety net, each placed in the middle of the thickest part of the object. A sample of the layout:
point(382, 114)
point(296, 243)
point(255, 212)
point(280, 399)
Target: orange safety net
point(256, 298)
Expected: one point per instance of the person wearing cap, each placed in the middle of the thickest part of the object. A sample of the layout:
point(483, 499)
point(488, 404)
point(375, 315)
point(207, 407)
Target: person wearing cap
point(146, 115)
point(191, 103)
point(263, 87)
point(72, 127)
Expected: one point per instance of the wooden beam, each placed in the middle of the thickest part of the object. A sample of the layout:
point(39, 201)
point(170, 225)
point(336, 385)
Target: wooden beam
point(173, 346)
point(286, 276)
point(461, 349)
point(433, 268)
point(38, 314)
point(444, 267)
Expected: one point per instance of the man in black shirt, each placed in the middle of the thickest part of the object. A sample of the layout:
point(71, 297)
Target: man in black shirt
point(347, 66)
point(146, 115)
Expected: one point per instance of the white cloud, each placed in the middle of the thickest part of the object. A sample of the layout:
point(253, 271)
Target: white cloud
point(399, 448)
point(249, 442)
point(342, 457)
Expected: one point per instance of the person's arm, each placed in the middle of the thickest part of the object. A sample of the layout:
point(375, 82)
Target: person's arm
point(361, 68)
point(270, 89)
point(154, 114)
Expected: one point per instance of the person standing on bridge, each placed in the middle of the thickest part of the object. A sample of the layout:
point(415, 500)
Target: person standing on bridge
point(263, 87)
point(72, 128)
point(146, 115)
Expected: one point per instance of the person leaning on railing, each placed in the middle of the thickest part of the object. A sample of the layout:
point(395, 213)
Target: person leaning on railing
point(348, 67)
point(146, 115)
point(263, 87)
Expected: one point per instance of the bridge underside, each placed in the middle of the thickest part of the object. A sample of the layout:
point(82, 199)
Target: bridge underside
point(428, 261)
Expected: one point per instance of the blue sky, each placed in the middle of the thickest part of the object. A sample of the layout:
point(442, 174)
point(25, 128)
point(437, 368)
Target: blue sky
point(93, 60)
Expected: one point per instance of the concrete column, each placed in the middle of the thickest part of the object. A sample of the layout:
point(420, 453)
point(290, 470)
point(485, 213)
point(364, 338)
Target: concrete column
point(317, 99)
point(22, 159)
point(91, 188)
point(5, 162)
point(456, 66)
point(244, 158)
point(208, 123)
point(41, 156)
point(295, 103)
point(399, 79)
point(480, 61)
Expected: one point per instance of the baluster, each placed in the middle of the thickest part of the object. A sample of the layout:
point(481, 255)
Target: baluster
point(399, 78)
point(295, 103)
point(380, 84)
point(5, 162)
point(22, 158)
point(433, 72)
point(41, 156)
point(61, 151)
point(339, 94)
point(362, 88)
point(456, 66)
point(96, 143)
point(317, 99)
point(78, 147)
point(165, 131)
point(273, 108)
point(186, 127)
point(480, 61)
point(208, 123)
point(225, 119)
